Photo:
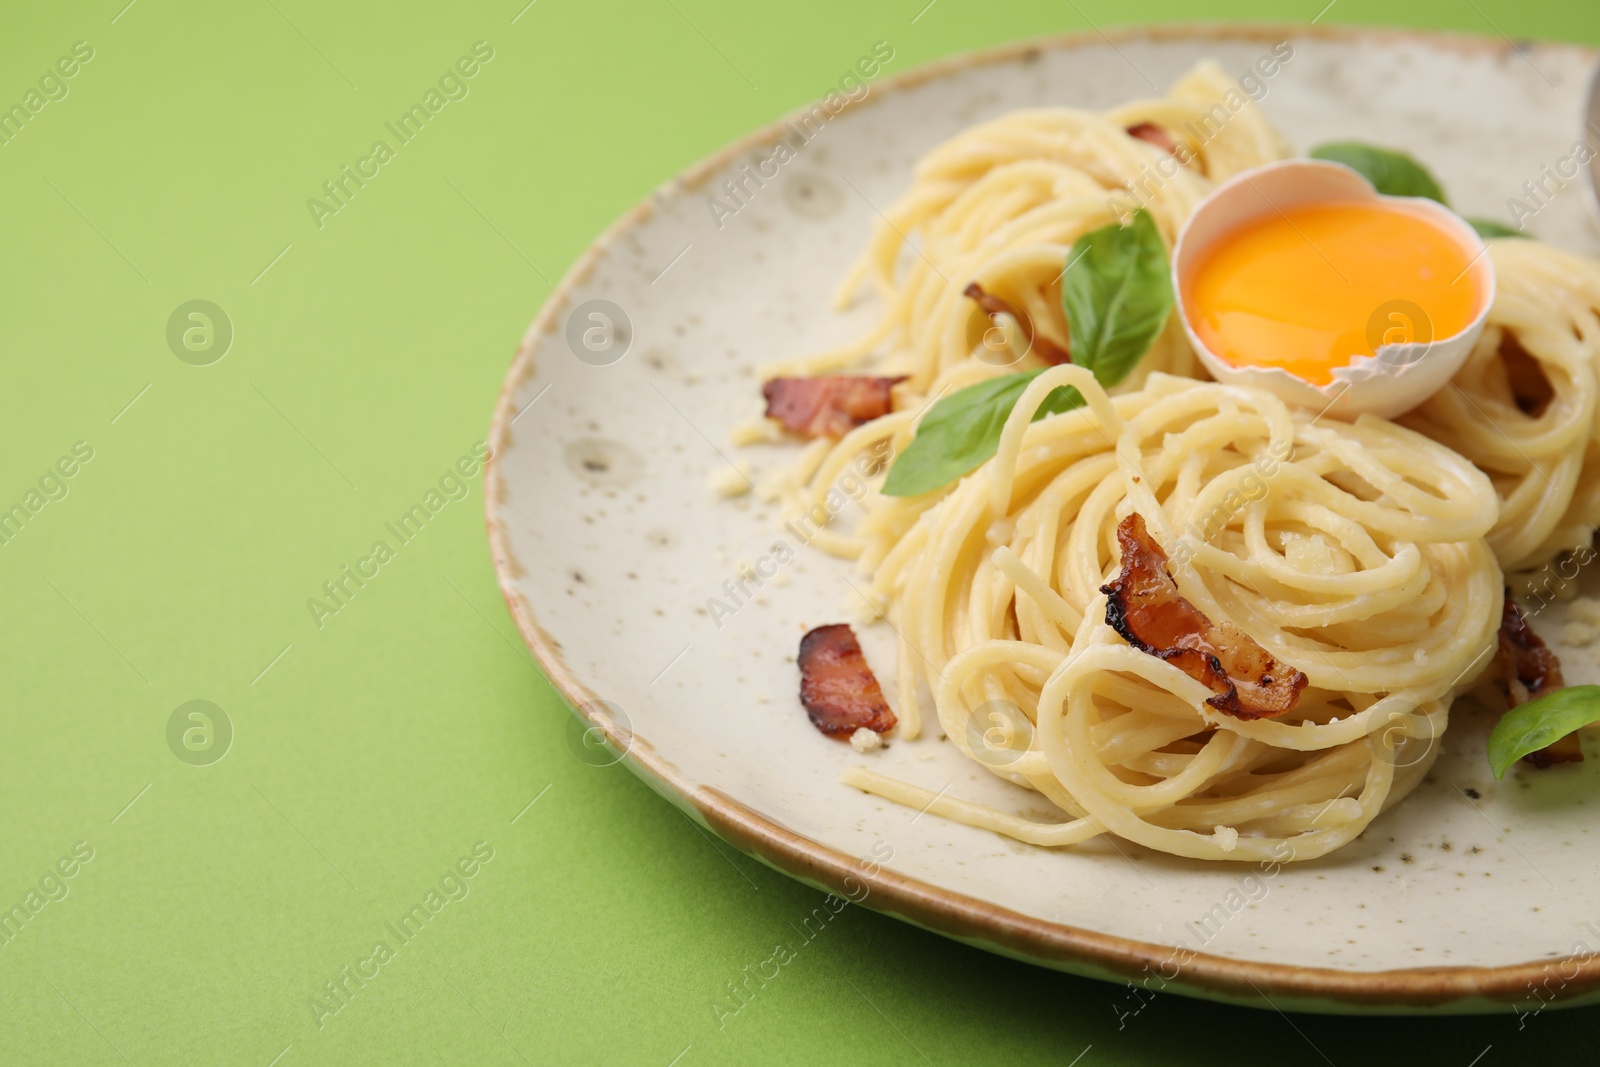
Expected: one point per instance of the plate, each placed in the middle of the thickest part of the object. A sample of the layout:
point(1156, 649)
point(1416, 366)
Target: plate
point(610, 545)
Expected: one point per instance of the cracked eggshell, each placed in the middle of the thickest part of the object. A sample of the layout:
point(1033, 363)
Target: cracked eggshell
point(1398, 377)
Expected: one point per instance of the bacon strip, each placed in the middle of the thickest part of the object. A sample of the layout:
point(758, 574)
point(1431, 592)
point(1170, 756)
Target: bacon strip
point(1146, 608)
point(838, 689)
point(1156, 135)
point(1038, 343)
point(828, 406)
point(1531, 670)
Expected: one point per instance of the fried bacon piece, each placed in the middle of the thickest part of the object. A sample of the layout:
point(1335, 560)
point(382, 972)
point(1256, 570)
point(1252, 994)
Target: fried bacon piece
point(1146, 608)
point(1525, 657)
point(1156, 135)
point(828, 406)
point(1531, 670)
point(838, 689)
point(1038, 343)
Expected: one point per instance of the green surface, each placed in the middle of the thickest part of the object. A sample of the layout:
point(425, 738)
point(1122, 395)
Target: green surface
point(374, 752)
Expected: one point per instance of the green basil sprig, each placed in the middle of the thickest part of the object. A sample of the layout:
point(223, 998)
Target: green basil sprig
point(1541, 722)
point(963, 429)
point(1392, 173)
point(1117, 294)
point(1397, 174)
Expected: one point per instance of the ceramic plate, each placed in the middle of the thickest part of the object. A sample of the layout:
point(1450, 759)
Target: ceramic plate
point(1470, 896)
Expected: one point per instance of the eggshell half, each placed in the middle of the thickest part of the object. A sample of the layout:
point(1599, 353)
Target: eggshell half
point(1398, 377)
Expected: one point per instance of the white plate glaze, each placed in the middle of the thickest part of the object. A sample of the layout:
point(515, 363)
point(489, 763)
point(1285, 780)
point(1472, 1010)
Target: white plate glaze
point(608, 544)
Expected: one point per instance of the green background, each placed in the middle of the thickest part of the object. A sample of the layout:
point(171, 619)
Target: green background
point(371, 754)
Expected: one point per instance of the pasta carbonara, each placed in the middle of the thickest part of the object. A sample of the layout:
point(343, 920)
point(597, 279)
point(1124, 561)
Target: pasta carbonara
point(1370, 556)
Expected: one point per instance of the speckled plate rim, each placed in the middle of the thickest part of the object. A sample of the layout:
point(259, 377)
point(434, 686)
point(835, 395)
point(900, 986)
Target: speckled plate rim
point(956, 915)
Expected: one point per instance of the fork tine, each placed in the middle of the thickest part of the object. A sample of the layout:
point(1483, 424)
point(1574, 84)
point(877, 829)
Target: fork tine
point(1591, 135)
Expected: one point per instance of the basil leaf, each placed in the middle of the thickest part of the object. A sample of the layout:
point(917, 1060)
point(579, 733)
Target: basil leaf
point(1489, 228)
point(1540, 722)
point(963, 429)
point(1392, 173)
point(1117, 293)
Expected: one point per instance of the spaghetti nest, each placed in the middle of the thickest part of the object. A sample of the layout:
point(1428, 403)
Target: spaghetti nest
point(1522, 407)
point(1353, 553)
point(1001, 204)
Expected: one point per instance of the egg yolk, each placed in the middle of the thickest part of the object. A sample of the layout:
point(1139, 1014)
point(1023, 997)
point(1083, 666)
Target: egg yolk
point(1311, 288)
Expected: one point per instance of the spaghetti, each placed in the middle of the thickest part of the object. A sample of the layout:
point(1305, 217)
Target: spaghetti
point(1383, 599)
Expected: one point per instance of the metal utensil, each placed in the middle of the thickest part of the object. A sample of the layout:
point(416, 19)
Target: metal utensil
point(1591, 136)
